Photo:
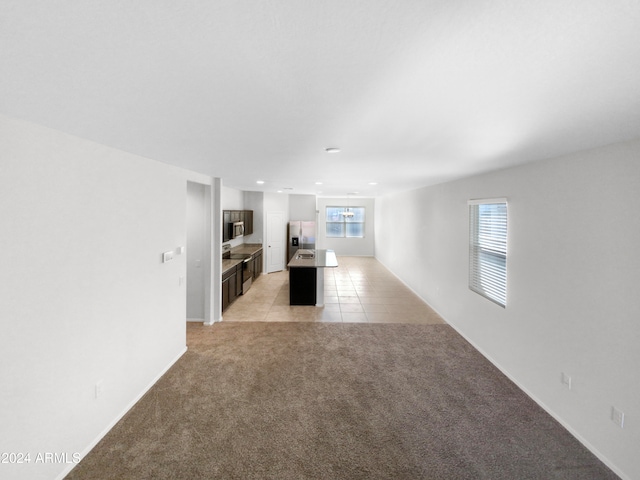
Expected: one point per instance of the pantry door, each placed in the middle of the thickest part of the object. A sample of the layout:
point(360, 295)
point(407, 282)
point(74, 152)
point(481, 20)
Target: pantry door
point(275, 241)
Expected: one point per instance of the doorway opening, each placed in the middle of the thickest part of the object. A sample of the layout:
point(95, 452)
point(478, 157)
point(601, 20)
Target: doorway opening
point(199, 250)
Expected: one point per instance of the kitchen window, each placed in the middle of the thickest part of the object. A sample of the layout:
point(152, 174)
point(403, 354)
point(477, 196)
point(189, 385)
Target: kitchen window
point(488, 249)
point(345, 222)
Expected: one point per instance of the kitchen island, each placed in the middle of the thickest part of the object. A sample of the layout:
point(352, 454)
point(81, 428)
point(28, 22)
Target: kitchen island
point(306, 276)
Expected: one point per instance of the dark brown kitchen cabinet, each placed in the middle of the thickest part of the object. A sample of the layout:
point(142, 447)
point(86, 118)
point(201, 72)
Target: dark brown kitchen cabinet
point(239, 280)
point(232, 216)
point(231, 285)
point(248, 222)
point(229, 291)
point(226, 220)
point(257, 264)
point(302, 286)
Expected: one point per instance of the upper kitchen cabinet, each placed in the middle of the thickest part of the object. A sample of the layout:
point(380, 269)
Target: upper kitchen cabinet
point(226, 220)
point(248, 222)
point(232, 216)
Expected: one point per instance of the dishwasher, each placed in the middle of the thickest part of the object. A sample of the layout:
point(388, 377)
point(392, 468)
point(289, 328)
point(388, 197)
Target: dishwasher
point(247, 274)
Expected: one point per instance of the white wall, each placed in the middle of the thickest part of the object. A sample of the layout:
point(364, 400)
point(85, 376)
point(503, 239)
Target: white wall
point(348, 246)
point(85, 297)
point(255, 201)
point(573, 277)
point(276, 202)
point(302, 207)
point(232, 198)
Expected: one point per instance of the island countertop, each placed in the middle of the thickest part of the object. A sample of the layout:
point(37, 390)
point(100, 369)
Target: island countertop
point(321, 259)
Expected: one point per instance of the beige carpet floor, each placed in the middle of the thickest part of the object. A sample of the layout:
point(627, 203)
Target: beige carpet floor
point(285, 400)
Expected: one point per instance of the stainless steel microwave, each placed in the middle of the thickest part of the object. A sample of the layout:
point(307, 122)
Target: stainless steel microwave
point(236, 229)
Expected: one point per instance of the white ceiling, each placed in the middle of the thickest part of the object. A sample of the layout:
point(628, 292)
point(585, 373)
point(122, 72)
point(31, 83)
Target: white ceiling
point(414, 92)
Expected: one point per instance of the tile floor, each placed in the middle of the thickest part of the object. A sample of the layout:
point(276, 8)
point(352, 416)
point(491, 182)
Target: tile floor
point(360, 289)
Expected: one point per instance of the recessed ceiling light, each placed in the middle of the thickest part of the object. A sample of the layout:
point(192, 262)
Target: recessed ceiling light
point(332, 150)
point(260, 182)
point(318, 183)
point(373, 183)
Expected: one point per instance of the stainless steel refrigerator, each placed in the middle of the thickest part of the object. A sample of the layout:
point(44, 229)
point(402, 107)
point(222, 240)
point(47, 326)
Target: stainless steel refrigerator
point(301, 234)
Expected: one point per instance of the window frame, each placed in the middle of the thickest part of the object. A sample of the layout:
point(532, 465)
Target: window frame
point(488, 249)
point(344, 221)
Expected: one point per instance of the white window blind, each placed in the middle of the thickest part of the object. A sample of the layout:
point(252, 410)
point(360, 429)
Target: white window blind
point(488, 249)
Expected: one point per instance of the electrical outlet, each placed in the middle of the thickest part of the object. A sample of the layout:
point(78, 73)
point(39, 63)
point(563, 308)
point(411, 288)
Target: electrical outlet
point(566, 380)
point(617, 417)
point(99, 388)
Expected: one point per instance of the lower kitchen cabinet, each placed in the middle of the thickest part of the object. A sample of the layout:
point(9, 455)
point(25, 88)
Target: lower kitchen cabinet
point(234, 278)
point(302, 286)
point(225, 294)
point(239, 280)
point(257, 265)
point(231, 285)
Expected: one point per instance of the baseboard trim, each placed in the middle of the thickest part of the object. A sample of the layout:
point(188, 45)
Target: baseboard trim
point(102, 434)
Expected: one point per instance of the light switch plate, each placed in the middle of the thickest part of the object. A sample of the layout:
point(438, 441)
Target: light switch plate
point(617, 417)
point(167, 256)
point(99, 387)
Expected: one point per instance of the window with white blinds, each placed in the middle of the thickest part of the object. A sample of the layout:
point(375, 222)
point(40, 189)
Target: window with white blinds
point(488, 249)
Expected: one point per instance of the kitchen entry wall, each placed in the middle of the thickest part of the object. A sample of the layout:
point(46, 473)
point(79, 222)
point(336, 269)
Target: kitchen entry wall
point(93, 316)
